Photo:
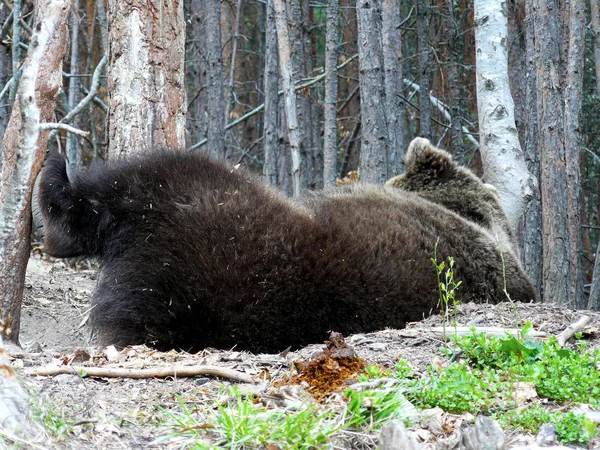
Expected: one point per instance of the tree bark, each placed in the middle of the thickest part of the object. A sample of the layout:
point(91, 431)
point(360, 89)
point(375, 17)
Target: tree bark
point(450, 39)
point(553, 173)
point(271, 129)
point(595, 13)
point(216, 96)
point(503, 161)
point(424, 68)
point(16, 50)
point(331, 90)
point(23, 152)
point(573, 93)
point(74, 155)
point(147, 101)
point(394, 87)
point(301, 66)
point(286, 70)
point(374, 140)
point(531, 231)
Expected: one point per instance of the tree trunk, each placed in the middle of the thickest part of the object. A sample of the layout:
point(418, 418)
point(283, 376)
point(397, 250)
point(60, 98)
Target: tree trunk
point(531, 231)
point(394, 87)
point(286, 69)
point(74, 150)
point(215, 114)
point(503, 161)
point(147, 101)
point(573, 93)
point(450, 39)
point(196, 70)
point(424, 68)
point(331, 88)
point(595, 13)
point(374, 141)
point(301, 66)
point(16, 50)
point(553, 173)
point(23, 152)
point(271, 129)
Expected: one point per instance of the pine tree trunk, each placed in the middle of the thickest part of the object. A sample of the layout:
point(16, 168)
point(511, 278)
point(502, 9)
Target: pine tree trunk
point(531, 231)
point(595, 13)
point(271, 80)
point(147, 101)
point(331, 88)
point(215, 132)
point(374, 140)
point(394, 87)
point(23, 152)
point(424, 69)
point(553, 171)
point(573, 93)
point(503, 161)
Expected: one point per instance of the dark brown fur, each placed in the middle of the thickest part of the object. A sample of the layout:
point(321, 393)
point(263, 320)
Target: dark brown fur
point(194, 253)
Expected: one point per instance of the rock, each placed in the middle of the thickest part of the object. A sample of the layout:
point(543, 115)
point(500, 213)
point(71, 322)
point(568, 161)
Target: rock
point(394, 436)
point(546, 435)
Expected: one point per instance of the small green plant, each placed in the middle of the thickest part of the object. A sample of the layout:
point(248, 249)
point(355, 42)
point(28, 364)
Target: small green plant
point(570, 428)
point(447, 288)
point(53, 422)
point(376, 407)
point(242, 424)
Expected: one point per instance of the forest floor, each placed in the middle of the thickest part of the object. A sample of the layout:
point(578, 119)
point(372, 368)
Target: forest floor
point(78, 412)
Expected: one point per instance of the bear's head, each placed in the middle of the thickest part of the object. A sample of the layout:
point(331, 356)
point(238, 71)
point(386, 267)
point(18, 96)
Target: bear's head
point(432, 174)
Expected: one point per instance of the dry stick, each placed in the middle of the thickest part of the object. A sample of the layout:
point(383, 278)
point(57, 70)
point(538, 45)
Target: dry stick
point(64, 127)
point(570, 331)
point(158, 372)
point(260, 107)
point(88, 98)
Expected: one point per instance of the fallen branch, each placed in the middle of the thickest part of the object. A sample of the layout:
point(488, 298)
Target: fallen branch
point(490, 331)
point(570, 331)
point(157, 372)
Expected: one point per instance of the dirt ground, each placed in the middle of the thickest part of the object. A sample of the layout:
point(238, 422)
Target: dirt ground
point(123, 413)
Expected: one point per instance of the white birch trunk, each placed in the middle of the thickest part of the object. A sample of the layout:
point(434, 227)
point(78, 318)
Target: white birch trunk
point(503, 160)
point(23, 153)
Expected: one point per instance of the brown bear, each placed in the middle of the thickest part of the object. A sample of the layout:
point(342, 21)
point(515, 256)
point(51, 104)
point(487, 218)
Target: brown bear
point(433, 175)
point(194, 253)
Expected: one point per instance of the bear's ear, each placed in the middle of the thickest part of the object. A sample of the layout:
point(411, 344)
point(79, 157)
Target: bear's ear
point(421, 156)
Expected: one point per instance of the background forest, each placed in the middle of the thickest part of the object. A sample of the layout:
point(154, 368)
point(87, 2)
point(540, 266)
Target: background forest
point(368, 76)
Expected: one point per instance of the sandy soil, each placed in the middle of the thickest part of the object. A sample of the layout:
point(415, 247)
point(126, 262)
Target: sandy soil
point(123, 413)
